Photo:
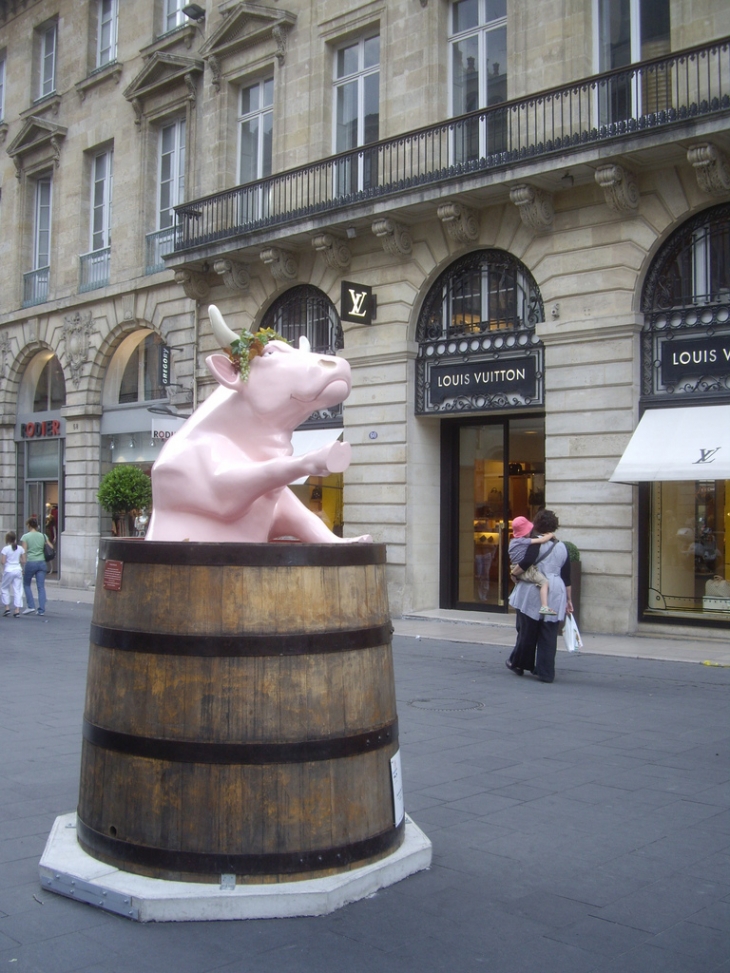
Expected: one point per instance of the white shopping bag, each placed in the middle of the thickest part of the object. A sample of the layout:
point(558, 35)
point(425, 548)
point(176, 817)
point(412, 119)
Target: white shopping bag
point(571, 635)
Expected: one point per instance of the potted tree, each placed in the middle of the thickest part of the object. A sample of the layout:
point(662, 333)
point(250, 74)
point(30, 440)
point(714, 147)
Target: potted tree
point(575, 577)
point(123, 491)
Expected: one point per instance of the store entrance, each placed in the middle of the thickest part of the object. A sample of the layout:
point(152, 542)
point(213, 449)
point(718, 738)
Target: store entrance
point(42, 503)
point(492, 471)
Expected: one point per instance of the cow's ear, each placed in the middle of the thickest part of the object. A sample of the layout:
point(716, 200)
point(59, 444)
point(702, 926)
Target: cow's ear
point(223, 371)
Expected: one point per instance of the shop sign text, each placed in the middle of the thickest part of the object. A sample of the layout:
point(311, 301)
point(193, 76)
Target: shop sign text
point(507, 376)
point(40, 430)
point(689, 359)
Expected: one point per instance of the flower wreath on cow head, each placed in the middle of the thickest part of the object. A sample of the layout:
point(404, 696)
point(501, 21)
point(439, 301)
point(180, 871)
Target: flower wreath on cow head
point(249, 346)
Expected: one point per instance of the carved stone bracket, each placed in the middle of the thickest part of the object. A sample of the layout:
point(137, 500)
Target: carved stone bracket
point(281, 263)
point(233, 273)
point(215, 72)
point(192, 91)
point(394, 236)
point(138, 112)
point(335, 251)
point(195, 285)
point(4, 354)
point(76, 330)
point(619, 188)
point(535, 206)
point(711, 168)
point(280, 33)
point(461, 223)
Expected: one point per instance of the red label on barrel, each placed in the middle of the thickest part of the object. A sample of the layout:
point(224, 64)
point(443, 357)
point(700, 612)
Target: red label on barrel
point(113, 575)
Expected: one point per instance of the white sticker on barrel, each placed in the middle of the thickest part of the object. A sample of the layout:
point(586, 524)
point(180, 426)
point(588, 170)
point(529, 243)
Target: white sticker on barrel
point(397, 779)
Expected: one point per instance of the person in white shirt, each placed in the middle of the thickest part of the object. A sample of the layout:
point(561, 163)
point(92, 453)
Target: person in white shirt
point(12, 558)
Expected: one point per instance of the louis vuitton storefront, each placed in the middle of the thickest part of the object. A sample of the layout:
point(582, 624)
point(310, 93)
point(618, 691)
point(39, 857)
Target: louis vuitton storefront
point(679, 453)
point(480, 370)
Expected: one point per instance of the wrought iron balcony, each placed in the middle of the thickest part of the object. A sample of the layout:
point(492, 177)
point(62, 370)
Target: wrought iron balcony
point(35, 286)
point(157, 244)
point(94, 269)
point(636, 101)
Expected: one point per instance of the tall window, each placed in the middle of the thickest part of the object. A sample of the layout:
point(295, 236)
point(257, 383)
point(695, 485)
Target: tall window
point(101, 201)
point(42, 224)
point(106, 43)
point(35, 283)
point(171, 172)
point(478, 73)
point(628, 31)
point(357, 111)
point(2, 87)
point(47, 61)
point(174, 16)
point(256, 124)
point(50, 392)
point(95, 264)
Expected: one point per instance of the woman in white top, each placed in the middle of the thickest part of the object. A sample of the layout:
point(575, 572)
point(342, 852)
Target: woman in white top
point(12, 558)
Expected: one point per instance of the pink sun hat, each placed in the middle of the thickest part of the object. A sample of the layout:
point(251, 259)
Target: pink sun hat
point(521, 527)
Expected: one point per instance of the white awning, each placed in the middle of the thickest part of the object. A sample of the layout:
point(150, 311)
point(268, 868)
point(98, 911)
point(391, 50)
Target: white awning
point(678, 444)
point(306, 440)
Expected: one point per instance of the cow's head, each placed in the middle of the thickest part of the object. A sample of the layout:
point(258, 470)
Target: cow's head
point(283, 380)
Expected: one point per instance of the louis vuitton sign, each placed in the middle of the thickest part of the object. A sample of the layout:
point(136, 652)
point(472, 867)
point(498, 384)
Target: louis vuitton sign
point(683, 360)
point(496, 382)
point(357, 303)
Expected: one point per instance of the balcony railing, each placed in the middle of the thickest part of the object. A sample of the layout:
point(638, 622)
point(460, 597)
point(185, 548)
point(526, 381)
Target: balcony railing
point(158, 244)
point(35, 286)
point(646, 97)
point(94, 269)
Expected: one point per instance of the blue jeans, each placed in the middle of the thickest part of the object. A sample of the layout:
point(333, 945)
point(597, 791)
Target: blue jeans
point(37, 570)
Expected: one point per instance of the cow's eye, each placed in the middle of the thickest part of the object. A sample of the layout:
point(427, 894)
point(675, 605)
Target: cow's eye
point(268, 352)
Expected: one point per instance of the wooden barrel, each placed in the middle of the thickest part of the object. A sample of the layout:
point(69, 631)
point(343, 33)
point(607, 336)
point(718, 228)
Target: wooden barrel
point(240, 712)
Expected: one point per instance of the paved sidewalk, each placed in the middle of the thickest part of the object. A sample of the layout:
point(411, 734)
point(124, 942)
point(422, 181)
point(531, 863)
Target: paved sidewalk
point(580, 827)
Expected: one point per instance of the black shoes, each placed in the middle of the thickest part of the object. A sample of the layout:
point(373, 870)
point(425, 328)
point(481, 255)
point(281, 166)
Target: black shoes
point(515, 669)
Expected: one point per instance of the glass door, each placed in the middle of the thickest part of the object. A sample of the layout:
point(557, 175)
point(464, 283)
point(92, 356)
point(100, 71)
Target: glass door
point(492, 472)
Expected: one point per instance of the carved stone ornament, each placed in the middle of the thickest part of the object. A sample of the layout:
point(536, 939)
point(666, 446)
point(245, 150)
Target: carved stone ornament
point(234, 274)
point(394, 236)
point(215, 72)
point(534, 205)
point(280, 33)
point(4, 354)
point(460, 222)
point(335, 251)
point(619, 188)
point(711, 168)
point(195, 285)
point(281, 263)
point(76, 330)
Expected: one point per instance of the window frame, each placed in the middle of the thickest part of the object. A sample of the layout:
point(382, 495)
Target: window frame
point(173, 11)
point(339, 82)
point(104, 205)
point(113, 21)
point(38, 206)
point(47, 78)
point(258, 114)
point(178, 180)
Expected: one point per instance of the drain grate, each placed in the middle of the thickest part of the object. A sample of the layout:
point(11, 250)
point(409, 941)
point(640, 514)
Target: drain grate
point(445, 705)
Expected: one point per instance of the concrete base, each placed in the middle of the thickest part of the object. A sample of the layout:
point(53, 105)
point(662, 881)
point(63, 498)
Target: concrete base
point(65, 868)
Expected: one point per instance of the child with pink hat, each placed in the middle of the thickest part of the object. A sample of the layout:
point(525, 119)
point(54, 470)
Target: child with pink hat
point(518, 550)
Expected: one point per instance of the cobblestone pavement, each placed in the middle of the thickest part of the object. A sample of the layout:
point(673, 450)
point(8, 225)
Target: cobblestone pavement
point(579, 827)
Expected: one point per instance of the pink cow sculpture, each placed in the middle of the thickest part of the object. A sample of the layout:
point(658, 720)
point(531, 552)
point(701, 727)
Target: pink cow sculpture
point(224, 475)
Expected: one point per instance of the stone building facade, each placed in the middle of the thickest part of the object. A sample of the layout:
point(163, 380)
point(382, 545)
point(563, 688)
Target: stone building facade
point(492, 208)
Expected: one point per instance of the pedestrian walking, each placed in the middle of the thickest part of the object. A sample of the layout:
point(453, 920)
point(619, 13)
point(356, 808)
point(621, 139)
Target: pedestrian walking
point(34, 545)
point(12, 558)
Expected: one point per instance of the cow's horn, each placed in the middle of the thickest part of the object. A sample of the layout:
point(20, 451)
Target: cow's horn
point(304, 343)
point(223, 334)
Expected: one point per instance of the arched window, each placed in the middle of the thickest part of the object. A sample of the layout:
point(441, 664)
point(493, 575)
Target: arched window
point(134, 372)
point(306, 310)
point(478, 348)
point(692, 269)
point(43, 388)
point(488, 290)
